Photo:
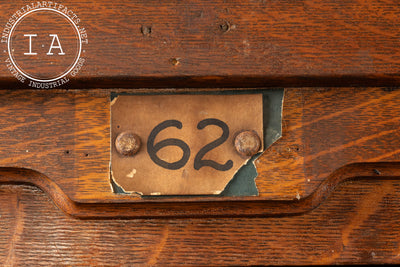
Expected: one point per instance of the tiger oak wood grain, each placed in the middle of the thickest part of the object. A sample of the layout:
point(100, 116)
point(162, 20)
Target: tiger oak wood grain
point(267, 43)
point(68, 144)
point(325, 129)
point(63, 135)
point(359, 224)
point(200, 207)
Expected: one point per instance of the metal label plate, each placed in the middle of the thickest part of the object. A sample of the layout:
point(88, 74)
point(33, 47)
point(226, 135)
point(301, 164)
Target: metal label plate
point(187, 141)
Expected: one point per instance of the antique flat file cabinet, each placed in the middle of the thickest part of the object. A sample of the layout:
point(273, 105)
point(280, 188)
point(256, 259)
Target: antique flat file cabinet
point(254, 132)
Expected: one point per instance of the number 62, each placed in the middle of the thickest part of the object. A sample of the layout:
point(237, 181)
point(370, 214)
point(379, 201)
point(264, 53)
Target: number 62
point(199, 162)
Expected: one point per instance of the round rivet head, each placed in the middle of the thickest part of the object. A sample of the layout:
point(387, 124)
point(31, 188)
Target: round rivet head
point(127, 143)
point(247, 143)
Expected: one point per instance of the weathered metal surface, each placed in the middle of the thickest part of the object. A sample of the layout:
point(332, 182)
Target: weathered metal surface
point(127, 143)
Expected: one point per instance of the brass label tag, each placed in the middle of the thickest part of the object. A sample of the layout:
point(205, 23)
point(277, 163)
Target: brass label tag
point(183, 144)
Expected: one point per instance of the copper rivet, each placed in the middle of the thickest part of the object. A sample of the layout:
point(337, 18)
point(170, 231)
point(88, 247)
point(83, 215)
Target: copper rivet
point(127, 143)
point(247, 143)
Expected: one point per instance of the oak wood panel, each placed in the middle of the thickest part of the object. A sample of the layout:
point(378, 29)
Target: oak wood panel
point(64, 138)
point(106, 208)
point(359, 223)
point(69, 140)
point(63, 135)
point(325, 129)
point(267, 43)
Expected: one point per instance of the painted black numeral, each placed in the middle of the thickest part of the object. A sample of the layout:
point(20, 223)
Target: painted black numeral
point(199, 162)
point(152, 148)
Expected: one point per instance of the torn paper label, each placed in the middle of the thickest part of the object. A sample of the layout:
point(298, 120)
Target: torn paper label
point(187, 141)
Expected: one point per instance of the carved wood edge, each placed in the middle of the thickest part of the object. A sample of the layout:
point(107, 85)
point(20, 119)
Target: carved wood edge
point(232, 207)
